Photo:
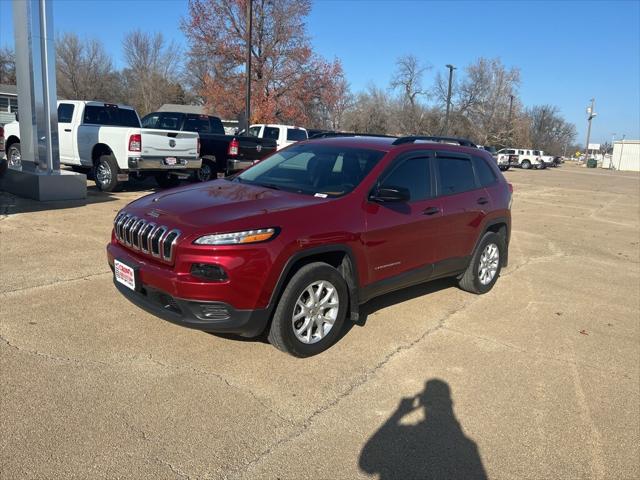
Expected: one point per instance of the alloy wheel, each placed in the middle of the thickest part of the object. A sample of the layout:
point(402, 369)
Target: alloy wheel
point(488, 263)
point(315, 312)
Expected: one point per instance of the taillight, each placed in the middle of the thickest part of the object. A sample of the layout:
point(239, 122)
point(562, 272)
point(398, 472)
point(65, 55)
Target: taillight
point(198, 147)
point(135, 143)
point(233, 147)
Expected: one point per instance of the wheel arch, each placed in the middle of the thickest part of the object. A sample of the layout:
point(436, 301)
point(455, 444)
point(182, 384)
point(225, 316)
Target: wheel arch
point(98, 150)
point(339, 256)
point(501, 226)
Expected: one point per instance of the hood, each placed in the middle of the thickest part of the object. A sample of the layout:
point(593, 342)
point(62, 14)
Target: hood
point(215, 203)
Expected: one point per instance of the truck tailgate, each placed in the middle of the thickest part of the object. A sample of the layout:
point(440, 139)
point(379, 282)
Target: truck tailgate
point(169, 143)
point(254, 148)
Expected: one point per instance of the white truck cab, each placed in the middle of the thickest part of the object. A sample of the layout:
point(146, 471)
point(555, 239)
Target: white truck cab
point(284, 135)
point(518, 157)
point(106, 139)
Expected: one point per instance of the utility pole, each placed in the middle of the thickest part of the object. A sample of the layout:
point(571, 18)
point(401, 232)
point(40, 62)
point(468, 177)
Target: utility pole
point(613, 140)
point(446, 118)
point(247, 107)
point(591, 113)
point(510, 119)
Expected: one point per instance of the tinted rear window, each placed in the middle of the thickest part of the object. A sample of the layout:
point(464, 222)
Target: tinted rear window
point(65, 112)
point(110, 115)
point(271, 132)
point(455, 175)
point(296, 134)
point(485, 173)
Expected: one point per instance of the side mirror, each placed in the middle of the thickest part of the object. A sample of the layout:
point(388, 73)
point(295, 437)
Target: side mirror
point(17, 117)
point(389, 194)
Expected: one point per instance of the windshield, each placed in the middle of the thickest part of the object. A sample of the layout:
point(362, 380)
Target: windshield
point(313, 169)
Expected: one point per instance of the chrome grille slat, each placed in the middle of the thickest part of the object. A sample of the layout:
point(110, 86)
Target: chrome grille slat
point(146, 237)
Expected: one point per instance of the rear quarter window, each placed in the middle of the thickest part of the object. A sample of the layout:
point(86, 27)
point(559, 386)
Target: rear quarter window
point(271, 132)
point(296, 134)
point(486, 175)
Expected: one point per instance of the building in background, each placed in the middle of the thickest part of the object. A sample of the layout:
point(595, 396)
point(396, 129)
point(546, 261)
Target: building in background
point(626, 156)
point(8, 103)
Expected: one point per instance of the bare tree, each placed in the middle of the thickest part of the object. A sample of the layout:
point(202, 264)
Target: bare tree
point(152, 71)
point(408, 79)
point(369, 112)
point(548, 131)
point(7, 66)
point(85, 70)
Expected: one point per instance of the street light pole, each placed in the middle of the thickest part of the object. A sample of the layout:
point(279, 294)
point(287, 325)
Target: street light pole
point(613, 140)
point(446, 118)
point(621, 150)
point(247, 107)
point(591, 113)
point(510, 118)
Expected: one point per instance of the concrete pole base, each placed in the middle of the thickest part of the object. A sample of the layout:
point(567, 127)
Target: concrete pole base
point(62, 185)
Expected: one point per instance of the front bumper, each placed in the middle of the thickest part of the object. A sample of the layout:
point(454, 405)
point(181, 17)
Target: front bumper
point(159, 163)
point(216, 317)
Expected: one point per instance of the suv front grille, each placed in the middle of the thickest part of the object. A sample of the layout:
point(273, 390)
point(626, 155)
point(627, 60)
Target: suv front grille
point(146, 237)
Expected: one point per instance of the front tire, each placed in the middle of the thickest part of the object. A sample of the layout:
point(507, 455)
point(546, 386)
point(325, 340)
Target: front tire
point(486, 264)
point(311, 312)
point(106, 173)
point(526, 164)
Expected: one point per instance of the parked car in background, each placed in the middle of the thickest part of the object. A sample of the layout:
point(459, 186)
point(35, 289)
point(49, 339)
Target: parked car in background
point(284, 135)
point(221, 154)
point(546, 159)
point(520, 157)
point(106, 140)
point(295, 244)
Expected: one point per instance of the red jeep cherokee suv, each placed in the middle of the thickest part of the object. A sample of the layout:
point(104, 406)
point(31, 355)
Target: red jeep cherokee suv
point(300, 240)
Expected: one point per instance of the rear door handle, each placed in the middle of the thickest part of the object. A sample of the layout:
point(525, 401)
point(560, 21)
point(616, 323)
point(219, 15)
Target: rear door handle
point(482, 201)
point(430, 211)
point(67, 129)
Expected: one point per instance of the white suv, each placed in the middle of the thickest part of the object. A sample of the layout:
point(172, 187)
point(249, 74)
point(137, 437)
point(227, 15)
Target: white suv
point(284, 135)
point(518, 157)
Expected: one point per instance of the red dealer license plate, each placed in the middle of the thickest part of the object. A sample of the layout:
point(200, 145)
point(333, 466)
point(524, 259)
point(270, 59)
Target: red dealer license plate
point(125, 274)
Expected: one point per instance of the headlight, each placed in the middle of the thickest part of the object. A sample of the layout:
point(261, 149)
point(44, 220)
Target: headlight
point(235, 238)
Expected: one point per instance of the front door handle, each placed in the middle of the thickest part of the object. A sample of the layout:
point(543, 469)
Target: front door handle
point(482, 201)
point(430, 211)
point(67, 129)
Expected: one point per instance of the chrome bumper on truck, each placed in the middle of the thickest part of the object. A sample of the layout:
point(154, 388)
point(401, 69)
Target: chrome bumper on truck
point(233, 164)
point(164, 163)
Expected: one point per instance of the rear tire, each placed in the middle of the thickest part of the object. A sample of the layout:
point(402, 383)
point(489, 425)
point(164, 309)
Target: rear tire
point(504, 168)
point(164, 180)
point(487, 257)
point(323, 314)
point(208, 171)
point(526, 164)
point(105, 173)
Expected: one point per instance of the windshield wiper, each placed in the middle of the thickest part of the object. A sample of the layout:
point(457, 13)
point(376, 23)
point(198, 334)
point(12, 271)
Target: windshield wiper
point(267, 185)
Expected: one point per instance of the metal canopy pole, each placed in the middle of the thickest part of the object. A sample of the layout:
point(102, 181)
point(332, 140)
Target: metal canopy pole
point(36, 75)
point(247, 108)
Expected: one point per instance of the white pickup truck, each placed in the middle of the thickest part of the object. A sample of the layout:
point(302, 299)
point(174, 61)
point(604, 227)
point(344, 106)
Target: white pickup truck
point(106, 140)
point(284, 135)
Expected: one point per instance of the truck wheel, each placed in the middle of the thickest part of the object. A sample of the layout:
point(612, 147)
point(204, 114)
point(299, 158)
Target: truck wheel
point(504, 168)
point(106, 173)
point(14, 157)
point(311, 311)
point(165, 180)
point(208, 171)
point(485, 266)
point(526, 164)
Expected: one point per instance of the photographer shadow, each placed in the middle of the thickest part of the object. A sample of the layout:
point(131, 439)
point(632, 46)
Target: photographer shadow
point(434, 448)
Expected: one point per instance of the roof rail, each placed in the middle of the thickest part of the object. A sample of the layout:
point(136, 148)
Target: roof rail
point(348, 134)
point(459, 141)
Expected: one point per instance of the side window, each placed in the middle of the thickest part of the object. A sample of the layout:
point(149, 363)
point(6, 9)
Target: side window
point(412, 174)
point(510, 152)
point(65, 112)
point(455, 175)
point(150, 121)
point(296, 134)
point(271, 132)
point(170, 121)
point(484, 172)
point(254, 131)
